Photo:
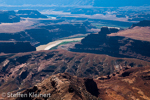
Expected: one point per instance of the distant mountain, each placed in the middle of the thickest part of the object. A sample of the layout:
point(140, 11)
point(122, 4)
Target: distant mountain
point(12, 16)
point(47, 2)
point(30, 14)
point(119, 3)
point(99, 3)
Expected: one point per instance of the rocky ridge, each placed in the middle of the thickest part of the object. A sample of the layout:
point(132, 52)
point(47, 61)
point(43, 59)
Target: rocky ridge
point(23, 70)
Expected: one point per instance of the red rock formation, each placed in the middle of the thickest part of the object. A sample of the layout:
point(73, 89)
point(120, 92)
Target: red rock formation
point(116, 46)
point(128, 84)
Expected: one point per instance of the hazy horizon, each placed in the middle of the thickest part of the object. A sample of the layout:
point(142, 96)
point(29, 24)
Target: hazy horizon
point(94, 3)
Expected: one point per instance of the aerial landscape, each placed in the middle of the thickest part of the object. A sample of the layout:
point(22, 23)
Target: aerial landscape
point(74, 50)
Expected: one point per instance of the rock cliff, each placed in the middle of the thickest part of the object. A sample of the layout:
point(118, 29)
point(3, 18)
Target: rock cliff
point(15, 47)
point(117, 46)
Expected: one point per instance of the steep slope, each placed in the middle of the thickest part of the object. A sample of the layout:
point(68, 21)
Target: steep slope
point(24, 70)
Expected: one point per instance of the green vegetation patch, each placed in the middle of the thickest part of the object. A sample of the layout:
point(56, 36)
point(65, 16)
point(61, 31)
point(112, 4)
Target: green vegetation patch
point(63, 43)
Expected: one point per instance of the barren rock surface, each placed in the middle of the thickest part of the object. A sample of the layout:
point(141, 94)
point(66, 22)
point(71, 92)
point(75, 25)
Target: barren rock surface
point(24, 70)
